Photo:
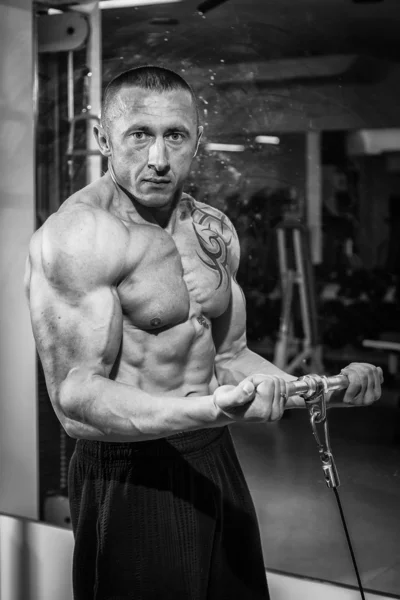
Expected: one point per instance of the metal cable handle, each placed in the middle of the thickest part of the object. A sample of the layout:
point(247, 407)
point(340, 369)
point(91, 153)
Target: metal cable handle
point(313, 388)
point(309, 385)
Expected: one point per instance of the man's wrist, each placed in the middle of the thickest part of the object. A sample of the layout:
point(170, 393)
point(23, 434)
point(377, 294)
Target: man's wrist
point(218, 417)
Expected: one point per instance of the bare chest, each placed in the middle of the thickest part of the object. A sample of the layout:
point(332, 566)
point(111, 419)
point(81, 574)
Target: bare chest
point(175, 277)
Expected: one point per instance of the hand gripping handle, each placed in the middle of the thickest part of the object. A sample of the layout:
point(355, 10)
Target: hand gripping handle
point(308, 385)
point(313, 389)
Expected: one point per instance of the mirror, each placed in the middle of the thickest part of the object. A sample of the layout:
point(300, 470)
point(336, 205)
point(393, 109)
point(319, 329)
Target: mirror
point(299, 101)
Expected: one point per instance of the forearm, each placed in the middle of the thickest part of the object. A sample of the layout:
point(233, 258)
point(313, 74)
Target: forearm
point(104, 410)
point(243, 365)
point(247, 363)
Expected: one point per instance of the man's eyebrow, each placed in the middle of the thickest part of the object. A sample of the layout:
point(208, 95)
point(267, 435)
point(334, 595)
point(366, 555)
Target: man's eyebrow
point(180, 128)
point(146, 129)
point(138, 127)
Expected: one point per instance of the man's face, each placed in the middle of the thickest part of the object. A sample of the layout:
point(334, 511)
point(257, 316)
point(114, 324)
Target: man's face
point(153, 138)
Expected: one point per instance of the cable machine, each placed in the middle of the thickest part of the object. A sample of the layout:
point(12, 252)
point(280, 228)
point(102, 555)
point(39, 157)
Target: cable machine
point(79, 26)
point(314, 390)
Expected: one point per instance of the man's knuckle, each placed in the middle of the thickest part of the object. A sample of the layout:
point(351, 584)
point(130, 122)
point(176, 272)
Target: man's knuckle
point(268, 383)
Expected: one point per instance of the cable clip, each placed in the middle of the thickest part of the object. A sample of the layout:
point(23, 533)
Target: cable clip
point(315, 400)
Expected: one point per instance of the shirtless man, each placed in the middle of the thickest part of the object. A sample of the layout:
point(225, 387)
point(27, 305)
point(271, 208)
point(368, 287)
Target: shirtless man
point(140, 326)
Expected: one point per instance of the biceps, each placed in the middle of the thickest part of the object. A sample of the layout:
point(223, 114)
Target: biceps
point(84, 334)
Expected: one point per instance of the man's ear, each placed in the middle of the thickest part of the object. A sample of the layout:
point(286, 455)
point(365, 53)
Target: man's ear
point(102, 140)
point(200, 130)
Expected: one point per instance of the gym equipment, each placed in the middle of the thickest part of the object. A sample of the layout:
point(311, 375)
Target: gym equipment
point(313, 388)
point(56, 504)
point(365, 285)
point(61, 33)
point(84, 116)
point(343, 324)
point(296, 269)
point(56, 511)
point(69, 32)
point(391, 344)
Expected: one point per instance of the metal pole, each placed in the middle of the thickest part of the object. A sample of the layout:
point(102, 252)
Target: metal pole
point(71, 86)
point(94, 63)
point(314, 194)
point(304, 288)
point(55, 194)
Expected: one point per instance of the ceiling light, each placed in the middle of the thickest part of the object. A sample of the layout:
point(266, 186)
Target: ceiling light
point(132, 3)
point(225, 147)
point(164, 21)
point(105, 4)
point(268, 139)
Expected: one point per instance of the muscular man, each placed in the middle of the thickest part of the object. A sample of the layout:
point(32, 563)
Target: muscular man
point(140, 326)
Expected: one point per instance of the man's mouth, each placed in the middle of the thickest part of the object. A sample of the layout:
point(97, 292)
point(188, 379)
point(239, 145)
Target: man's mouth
point(157, 180)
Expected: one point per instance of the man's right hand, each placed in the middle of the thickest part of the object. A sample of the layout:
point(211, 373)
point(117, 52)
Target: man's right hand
point(256, 402)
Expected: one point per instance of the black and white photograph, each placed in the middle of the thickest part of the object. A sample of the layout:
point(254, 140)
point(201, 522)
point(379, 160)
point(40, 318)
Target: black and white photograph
point(200, 303)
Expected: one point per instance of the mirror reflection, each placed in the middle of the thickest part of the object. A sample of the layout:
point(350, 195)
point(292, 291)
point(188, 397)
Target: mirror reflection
point(301, 150)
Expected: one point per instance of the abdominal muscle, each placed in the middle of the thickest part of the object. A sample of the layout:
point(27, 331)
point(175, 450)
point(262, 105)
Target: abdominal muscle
point(176, 361)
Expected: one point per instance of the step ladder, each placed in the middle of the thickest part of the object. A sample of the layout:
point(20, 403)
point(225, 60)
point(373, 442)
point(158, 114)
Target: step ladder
point(297, 352)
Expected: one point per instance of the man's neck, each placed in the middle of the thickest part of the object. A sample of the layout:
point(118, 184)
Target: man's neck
point(130, 209)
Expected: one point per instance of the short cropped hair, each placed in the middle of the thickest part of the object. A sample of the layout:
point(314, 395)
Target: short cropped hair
point(147, 77)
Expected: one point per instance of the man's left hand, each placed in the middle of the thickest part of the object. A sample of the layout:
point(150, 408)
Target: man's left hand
point(365, 384)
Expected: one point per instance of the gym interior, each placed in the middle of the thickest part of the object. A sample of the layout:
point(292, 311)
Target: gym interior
point(299, 101)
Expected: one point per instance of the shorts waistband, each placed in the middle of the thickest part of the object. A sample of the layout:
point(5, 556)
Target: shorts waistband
point(184, 443)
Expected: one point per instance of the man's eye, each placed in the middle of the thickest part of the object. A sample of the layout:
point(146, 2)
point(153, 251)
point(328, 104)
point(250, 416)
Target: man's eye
point(139, 135)
point(175, 137)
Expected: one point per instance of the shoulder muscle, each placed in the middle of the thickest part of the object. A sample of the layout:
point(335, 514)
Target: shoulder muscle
point(214, 219)
point(80, 249)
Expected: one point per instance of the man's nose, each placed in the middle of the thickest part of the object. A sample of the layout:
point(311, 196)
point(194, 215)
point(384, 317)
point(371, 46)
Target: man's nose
point(158, 157)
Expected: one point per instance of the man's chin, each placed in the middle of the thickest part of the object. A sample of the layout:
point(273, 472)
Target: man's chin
point(157, 198)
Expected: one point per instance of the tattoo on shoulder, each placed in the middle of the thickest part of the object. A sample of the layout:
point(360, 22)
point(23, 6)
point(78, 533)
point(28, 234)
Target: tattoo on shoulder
point(214, 233)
